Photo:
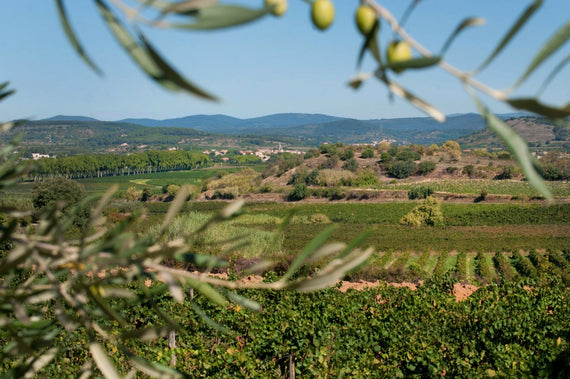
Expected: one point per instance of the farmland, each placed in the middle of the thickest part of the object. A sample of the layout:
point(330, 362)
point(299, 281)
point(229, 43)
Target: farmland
point(511, 246)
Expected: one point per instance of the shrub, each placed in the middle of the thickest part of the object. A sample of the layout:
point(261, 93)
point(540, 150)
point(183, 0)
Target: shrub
point(505, 155)
point(507, 172)
point(420, 192)
point(146, 194)
point(408, 154)
point(385, 158)
point(366, 177)
point(312, 153)
point(368, 153)
point(299, 192)
point(348, 154)
point(402, 169)
point(47, 193)
point(351, 164)
point(333, 178)
point(482, 196)
point(426, 167)
point(451, 169)
point(228, 193)
point(172, 190)
point(330, 163)
point(469, 170)
point(300, 176)
point(319, 218)
point(428, 212)
point(329, 149)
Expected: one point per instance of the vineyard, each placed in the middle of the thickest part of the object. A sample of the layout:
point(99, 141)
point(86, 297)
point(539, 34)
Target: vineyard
point(512, 329)
point(473, 267)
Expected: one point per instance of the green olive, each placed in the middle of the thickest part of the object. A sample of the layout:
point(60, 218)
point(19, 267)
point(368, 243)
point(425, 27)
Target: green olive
point(322, 13)
point(365, 19)
point(398, 51)
point(279, 6)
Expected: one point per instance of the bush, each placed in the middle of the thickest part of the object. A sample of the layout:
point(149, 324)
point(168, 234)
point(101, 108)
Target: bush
point(426, 167)
point(351, 164)
point(146, 194)
point(348, 154)
point(505, 155)
point(507, 172)
point(47, 193)
point(299, 192)
point(428, 212)
point(368, 153)
point(408, 154)
point(366, 177)
point(329, 149)
point(420, 192)
point(228, 193)
point(312, 153)
point(451, 169)
point(311, 179)
point(469, 170)
point(402, 169)
point(385, 158)
point(330, 163)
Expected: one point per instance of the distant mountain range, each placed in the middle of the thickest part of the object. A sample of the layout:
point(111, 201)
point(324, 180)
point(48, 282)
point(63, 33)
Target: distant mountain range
point(78, 134)
point(318, 128)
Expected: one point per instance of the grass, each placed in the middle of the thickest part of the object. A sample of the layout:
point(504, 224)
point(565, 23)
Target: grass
point(495, 187)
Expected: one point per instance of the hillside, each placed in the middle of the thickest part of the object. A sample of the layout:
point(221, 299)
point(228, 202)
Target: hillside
point(319, 128)
point(70, 137)
point(540, 133)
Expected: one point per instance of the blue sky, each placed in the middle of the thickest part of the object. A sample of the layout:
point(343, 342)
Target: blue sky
point(271, 66)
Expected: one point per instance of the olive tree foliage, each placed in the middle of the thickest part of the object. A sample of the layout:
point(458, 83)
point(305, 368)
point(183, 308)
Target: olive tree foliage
point(49, 286)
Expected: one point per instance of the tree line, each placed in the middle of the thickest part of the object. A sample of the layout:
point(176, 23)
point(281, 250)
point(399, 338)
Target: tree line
point(96, 166)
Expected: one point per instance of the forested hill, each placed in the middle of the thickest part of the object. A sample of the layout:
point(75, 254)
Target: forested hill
point(63, 135)
point(320, 128)
point(309, 129)
point(538, 132)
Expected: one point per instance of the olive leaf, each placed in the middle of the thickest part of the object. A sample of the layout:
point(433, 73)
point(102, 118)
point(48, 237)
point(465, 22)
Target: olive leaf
point(157, 4)
point(533, 105)
point(73, 40)
point(554, 72)
point(414, 63)
point(222, 16)
point(147, 58)
point(560, 37)
point(519, 23)
point(398, 90)
point(4, 94)
point(516, 143)
point(187, 7)
point(103, 362)
point(468, 22)
point(371, 43)
point(311, 248)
